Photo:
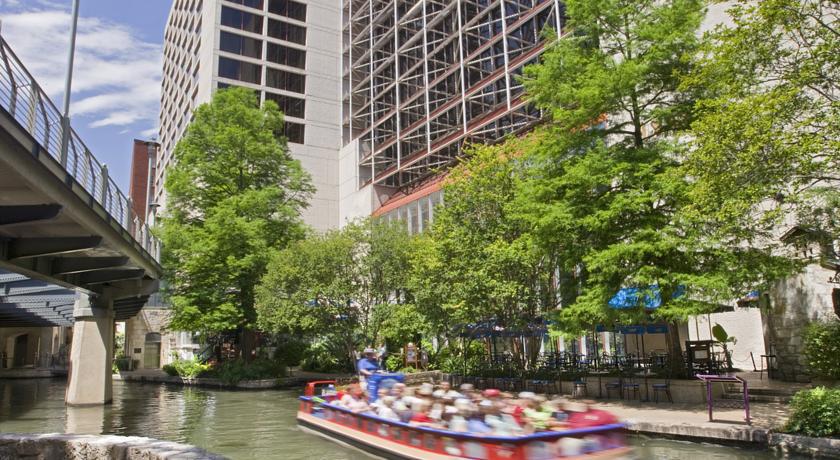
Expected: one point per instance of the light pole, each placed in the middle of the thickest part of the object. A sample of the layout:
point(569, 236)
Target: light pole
point(65, 115)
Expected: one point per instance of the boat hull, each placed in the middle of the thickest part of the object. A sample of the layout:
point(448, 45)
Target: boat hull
point(379, 447)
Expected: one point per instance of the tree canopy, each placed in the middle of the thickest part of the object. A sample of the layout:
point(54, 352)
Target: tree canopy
point(608, 191)
point(343, 283)
point(766, 141)
point(234, 196)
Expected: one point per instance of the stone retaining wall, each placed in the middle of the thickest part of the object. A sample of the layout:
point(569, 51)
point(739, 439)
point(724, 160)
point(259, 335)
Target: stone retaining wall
point(71, 447)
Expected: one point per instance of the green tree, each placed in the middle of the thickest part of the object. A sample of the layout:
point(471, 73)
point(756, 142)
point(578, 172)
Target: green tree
point(234, 196)
point(478, 262)
point(607, 191)
point(339, 284)
point(766, 146)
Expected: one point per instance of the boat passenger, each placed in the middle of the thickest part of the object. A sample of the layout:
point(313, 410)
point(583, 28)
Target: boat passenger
point(468, 391)
point(355, 399)
point(385, 409)
point(403, 411)
point(367, 366)
point(420, 413)
point(583, 415)
point(447, 390)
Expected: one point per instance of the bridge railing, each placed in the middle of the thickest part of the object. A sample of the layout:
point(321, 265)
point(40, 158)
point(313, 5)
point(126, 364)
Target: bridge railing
point(29, 105)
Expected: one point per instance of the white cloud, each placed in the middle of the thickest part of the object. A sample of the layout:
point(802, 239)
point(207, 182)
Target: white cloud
point(116, 76)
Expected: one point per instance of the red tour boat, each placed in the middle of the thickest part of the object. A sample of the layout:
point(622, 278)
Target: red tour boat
point(396, 440)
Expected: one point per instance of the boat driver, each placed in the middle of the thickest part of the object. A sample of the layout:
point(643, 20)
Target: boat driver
point(367, 366)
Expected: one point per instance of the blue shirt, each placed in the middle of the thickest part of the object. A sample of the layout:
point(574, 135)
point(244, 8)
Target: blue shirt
point(367, 364)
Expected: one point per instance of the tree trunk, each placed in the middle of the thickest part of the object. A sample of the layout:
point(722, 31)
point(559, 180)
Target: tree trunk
point(248, 339)
point(676, 361)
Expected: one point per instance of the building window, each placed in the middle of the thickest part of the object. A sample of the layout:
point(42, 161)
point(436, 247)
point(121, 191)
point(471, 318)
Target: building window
point(293, 132)
point(288, 8)
point(285, 31)
point(284, 55)
point(290, 106)
point(241, 20)
point(285, 80)
point(237, 44)
point(257, 4)
point(238, 70)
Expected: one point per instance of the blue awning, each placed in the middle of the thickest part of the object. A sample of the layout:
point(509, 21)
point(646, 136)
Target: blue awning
point(635, 329)
point(627, 298)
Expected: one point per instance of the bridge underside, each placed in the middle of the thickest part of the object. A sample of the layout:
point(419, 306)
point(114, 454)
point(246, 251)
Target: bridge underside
point(27, 302)
point(40, 240)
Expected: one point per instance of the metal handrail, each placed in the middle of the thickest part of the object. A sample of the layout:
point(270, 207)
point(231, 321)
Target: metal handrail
point(29, 105)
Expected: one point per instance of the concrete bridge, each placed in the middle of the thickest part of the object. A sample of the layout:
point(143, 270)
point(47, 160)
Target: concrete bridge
point(72, 250)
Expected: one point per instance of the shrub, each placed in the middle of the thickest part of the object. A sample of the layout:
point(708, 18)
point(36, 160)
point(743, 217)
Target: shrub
point(815, 413)
point(822, 349)
point(186, 368)
point(236, 370)
point(123, 363)
point(322, 356)
point(394, 361)
point(290, 350)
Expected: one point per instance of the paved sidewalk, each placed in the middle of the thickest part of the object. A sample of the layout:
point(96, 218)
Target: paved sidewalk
point(692, 420)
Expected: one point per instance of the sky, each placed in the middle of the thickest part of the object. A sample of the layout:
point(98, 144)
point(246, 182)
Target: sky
point(117, 71)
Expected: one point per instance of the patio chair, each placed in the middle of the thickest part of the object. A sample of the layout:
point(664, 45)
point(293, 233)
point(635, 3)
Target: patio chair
point(663, 387)
point(614, 385)
point(630, 386)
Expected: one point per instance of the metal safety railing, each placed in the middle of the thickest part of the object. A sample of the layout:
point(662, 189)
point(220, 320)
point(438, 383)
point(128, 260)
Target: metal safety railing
point(29, 105)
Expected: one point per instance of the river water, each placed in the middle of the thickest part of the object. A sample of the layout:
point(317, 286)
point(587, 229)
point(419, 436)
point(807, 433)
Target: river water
point(238, 424)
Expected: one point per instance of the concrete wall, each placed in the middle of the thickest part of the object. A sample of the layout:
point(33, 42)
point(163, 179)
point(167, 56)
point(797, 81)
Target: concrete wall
point(42, 344)
point(795, 303)
point(156, 320)
point(744, 324)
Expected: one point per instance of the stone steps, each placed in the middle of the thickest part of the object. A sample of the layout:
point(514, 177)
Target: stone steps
point(759, 398)
point(778, 395)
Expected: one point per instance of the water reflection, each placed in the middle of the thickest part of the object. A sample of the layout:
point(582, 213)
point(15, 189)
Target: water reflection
point(241, 425)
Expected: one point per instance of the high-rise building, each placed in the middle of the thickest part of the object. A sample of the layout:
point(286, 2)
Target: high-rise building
point(287, 51)
point(379, 95)
point(421, 79)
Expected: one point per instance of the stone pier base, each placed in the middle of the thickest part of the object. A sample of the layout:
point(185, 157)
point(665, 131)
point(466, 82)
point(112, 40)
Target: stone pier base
point(91, 353)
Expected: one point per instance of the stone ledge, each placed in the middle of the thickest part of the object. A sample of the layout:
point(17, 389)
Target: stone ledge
point(72, 447)
point(815, 447)
point(738, 435)
point(283, 382)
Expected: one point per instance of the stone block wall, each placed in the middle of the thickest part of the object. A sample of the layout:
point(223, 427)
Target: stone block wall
point(73, 447)
point(795, 303)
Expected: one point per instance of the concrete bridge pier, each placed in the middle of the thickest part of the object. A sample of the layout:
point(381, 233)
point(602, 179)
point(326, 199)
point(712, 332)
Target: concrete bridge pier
point(89, 376)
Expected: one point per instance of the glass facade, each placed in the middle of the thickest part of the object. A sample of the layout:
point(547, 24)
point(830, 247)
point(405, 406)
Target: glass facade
point(241, 20)
point(239, 70)
point(288, 8)
point(284, 31)
point(417, 215)
point(294, 132)
point(288, 81)
point(290, 106)
point(285, 55)
point(237, 44)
